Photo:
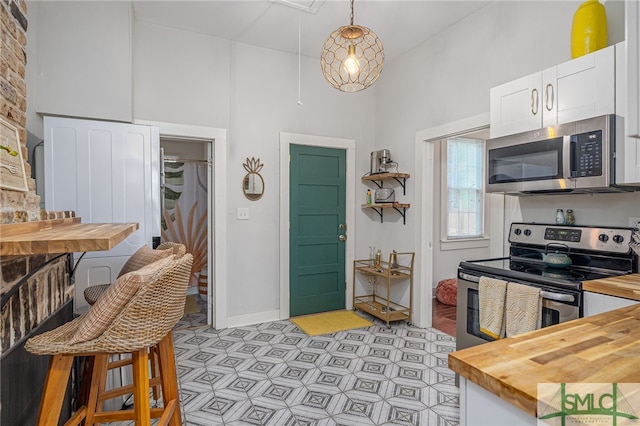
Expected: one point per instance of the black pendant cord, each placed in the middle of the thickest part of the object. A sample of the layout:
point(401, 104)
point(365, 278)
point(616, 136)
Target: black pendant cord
point(351, 12)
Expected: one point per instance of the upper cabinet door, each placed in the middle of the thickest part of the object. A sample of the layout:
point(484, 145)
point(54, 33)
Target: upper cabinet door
point(517, 106)
point(632, 78)
point(581, 88)
point(107, 173)
point(585, 87)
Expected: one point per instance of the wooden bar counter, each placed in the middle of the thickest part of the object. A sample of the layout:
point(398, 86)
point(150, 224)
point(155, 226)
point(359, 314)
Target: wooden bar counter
point(604, 348)
point(627, 286)
point(61, 236)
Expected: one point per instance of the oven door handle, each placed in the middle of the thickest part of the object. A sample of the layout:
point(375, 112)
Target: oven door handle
point(472, 278)
point(558, 297)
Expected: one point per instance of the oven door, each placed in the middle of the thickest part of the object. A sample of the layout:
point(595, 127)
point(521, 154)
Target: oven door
point(558, 306)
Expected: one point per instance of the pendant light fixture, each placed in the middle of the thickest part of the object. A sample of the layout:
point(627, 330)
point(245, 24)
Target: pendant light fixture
point(352, 57)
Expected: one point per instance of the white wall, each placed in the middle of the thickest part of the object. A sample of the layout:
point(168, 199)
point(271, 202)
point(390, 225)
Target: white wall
point(264, 93)
point(448, 78)
point(83, 59)
point(190, 78)
point(180, 76)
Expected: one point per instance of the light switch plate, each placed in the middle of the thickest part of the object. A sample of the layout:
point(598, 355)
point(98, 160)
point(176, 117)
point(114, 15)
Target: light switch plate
point(243, 213)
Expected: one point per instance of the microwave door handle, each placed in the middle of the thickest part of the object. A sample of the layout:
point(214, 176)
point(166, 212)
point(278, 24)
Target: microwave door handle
point(568, 158)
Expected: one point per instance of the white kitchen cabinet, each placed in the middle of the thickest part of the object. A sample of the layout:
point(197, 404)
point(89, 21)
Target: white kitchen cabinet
point(596, 303)
point(627, 142)
point(479, 407)
point(632, 37)
point(581, 88)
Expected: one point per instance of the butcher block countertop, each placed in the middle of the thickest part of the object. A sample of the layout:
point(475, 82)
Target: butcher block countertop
point(602, 348)
point(61, 236)
point(627, 286)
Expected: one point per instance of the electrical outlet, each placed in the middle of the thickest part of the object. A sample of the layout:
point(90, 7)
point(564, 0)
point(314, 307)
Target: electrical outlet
point(634, 222)
point(243, 213)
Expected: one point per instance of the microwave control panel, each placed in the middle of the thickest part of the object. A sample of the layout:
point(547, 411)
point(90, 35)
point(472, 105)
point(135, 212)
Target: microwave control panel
point(587, 152)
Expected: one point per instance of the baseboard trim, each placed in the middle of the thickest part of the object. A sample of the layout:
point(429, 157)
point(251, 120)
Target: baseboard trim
point(250, 319)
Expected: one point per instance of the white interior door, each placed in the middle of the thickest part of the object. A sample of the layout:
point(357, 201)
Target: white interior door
point(107, 173)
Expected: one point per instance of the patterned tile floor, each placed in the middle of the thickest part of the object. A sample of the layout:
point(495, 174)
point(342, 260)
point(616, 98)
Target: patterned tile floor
point(274, 374)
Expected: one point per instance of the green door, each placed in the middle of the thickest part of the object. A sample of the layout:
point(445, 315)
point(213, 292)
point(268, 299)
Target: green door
point(317, 214)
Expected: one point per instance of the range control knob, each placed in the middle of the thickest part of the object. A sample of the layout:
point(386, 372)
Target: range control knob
point(517, 231)
point(527, 232)
point(618, 239)
point(603, 237)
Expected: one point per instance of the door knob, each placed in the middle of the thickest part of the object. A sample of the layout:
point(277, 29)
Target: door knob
point(342, 227)
point(342, 238)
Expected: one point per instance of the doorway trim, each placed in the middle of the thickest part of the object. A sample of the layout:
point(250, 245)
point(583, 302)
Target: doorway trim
point(425, 193)
point(287, 139)
point(217, 221)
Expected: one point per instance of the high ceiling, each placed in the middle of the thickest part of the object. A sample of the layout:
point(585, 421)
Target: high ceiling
point(401, 25)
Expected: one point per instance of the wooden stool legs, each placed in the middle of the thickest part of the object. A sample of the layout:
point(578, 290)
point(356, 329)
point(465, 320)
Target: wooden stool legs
point(55, 386)
point(93, 394)
point(169, 378)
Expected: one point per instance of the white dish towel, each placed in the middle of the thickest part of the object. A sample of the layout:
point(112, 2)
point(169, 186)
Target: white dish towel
point(491, 298)
point(523, 309)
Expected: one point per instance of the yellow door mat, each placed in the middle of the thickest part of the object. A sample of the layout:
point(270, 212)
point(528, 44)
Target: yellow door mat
point(330, 322)
point(191, 305)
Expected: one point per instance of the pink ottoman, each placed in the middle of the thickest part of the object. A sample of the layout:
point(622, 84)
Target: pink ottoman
point(447, 290)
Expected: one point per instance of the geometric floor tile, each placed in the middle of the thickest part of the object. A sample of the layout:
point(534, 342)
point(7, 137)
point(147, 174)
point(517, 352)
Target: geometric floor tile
point(272, 374)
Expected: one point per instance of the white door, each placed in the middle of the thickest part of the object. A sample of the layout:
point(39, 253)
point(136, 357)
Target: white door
point(107, 173)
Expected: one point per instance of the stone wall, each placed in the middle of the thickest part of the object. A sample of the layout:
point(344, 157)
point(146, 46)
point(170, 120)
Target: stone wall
point(41, 285)
point(31, 287)
point(13, 104)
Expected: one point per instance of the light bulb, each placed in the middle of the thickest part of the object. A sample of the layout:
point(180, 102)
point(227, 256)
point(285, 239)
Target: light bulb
point(351, 63)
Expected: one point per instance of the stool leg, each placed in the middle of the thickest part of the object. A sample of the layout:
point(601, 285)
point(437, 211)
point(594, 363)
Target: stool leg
point(55, 386)
point(153, 350)
point(141, 405)
point(96, 386)
point(168, 376)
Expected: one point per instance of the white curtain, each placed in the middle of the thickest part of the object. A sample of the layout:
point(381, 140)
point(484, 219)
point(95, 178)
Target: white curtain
point(185, 198)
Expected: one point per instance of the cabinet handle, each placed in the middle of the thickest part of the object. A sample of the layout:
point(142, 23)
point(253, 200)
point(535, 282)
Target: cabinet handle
point(534, 102)
point(549, 96)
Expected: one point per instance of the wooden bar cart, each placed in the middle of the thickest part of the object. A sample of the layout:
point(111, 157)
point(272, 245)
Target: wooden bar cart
point(397, 269)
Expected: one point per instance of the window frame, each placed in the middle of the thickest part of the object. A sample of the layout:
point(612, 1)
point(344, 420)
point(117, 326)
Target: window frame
point(463, 242)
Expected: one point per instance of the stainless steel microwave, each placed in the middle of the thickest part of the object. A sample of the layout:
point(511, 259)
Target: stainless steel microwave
point(571, 157)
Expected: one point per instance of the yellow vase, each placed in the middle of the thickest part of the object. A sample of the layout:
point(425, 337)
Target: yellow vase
point(589, 28)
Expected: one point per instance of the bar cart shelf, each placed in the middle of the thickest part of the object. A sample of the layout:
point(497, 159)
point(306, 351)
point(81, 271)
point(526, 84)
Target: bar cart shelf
point(387, 274)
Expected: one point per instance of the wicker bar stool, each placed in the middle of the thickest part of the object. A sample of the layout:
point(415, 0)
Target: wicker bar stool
point(93, 292)
point(140, 258)
point(145, 321)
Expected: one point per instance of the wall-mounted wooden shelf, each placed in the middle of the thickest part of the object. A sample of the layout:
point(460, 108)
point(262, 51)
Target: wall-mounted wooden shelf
point(61, 236)
point(379, 208)
point(379, 179)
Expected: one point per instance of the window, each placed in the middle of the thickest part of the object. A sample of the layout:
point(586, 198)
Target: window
point(464, 188)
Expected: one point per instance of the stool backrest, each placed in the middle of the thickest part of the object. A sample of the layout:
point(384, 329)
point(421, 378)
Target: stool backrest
point(152, 312)
point(179, 249)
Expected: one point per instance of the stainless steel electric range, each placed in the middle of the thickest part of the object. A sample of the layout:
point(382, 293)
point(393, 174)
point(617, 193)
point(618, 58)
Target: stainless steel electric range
point(594, 252)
